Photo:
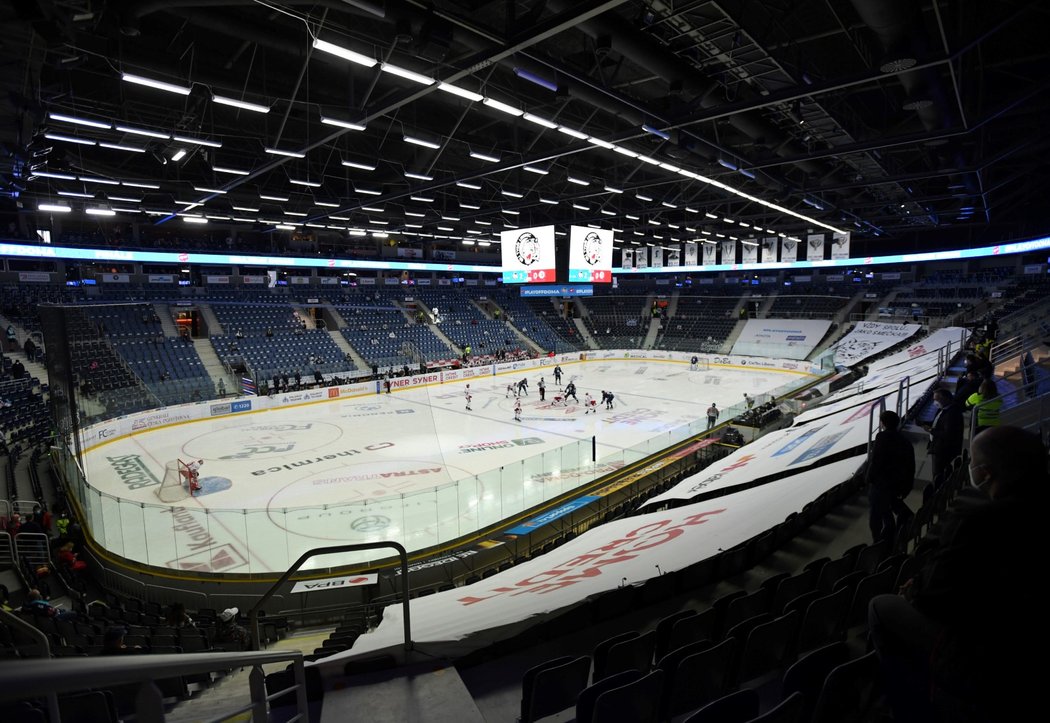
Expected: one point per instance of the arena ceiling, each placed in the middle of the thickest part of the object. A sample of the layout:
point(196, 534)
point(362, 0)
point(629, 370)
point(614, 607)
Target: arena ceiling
point(456, 119)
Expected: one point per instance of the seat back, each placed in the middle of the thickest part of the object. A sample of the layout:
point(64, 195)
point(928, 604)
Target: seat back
point(553, 686)
point(738, 707)
point(849, 691)
point(824, 621)
point(638, 702)
point(698, 677)
point(770, 646)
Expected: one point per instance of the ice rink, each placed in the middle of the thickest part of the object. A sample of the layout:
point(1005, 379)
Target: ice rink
point(413, 466)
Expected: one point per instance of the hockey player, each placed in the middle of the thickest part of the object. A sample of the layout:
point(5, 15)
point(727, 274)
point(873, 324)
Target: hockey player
point(193, 475)
point(543, 389)
point(469, 397)
point(517, 410)
point(511, 389)
point(558, 401)
point(523, 387)
point(589, 404)
point(608, 398)
point(570, 391)
point(749, 401)
point(557, 375)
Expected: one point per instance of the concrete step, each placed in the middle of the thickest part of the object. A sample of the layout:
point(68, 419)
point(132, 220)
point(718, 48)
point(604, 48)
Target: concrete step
point(584, 334)
point(423, 692)
point(167, 322)
point(344, 346)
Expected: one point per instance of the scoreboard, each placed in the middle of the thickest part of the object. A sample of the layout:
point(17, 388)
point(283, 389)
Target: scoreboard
point(528, 255)
point(590, 255)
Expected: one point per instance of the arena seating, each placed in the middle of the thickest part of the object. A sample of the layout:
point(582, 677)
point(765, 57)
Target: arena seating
point(704, 319)
point(525, 318)
point(806, 307)
point(617, 322)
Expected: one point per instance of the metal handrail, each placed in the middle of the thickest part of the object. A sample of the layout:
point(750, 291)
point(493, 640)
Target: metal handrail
point(40, 638)
point(880, 405)
point(1026, 396)
point(903, 388)
point(253, 614)
point(49, 677)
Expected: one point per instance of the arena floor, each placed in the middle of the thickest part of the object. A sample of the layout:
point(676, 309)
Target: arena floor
point(414, 466)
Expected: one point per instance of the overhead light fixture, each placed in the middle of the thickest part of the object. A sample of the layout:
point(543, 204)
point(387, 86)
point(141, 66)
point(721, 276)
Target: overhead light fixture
point(418, 176)
point(549, 201)
point(196, 141)
point(54, 207)
point(746, 172)
point(179, 154)
point(481, 156)
point(612, 189)
point(285, 227)
point(417, 141)
point(231, 171)
point(510, 212)
point(668, 204)
point(328, 120)
point(143, 132)
point(656, 132)
point(359, 165)
point(536, 79)
point(572, 132)
point(445, 228)
point(479, 222)
point(625, 152)
point(726, 219)
point(727, 164)
point(203, 189)
point(580, 207)
point(631, 216)
point(710, 215)
point(344, 53)
point(670, 167)
point(577, 181)
point(471, 206)
point(58, 176)
point(304, 182)
point(69, 139)
point(503, 107)
point(512, 194)
point(415, 214)
point(295, 213)
point(745, 225)
point(100, 212)
point(535, 169)
point(102, 181)
point(407, 74)
point(371, 209)
point(125, 199)
point(422, 199)
point(139, 184)
point(643, 197)
point(78, 121)
point(608, 213)
point(158, 84)
point(600, 143)
point(649, 159)
point(461, 92)
point(283, 152)
point(368, 191)
point(467, 184)
point(247, 209)
point(653, 222)
point(539, 120)
point(242, 104)
point(278, 199)
point(194, 219)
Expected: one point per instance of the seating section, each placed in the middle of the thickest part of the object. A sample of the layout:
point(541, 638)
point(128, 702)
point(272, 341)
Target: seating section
point(378, 329)
point(564, 328)
point(466, 325)
point(24, 415)
point(700, 323)
point(807, 307)
point(530, 321)
point(617, 322)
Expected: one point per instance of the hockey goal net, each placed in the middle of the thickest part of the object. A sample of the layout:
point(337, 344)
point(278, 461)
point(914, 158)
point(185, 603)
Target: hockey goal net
point(177, 482)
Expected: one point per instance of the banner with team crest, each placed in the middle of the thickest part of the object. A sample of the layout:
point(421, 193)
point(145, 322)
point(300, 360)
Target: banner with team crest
point(710, 253)
point(690, 253)
point(729, 252)
point(749, 252)
point(769, 250)
point(788, 250)
point(840, 245)
point(815, 247)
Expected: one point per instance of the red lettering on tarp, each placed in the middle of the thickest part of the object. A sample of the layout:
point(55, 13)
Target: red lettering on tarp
point(590, 563)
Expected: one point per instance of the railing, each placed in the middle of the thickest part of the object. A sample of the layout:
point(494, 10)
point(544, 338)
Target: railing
point(873, 426)
point(49, 677)
point(1022, 407)
point(253, 614)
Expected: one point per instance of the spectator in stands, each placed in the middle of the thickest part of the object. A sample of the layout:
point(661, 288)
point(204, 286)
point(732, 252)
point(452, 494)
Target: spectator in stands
point(276, 382)
point(68, 559)
point(298, 378)
point(968, 384)
point(18, 369)
point(269, 332)
point(31, 524)
point(177, 617)
point(964, 628)
point(14, 524)
point(987, 396)
point(229, 631)
point(890, 473)
point(62, 524)
point(239, 334)
point(222, 388)
point(37, 604)
point(30, 349)
point(113, 642)
point(946, 435)
point(12, 338)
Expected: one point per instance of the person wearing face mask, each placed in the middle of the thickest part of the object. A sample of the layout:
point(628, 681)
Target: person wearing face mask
point(946, 435)
point(961, 633)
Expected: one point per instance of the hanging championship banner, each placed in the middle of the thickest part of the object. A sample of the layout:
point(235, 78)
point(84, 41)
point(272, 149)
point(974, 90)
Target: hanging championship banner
point(769, 250)
point(788, 250)
point(690, 253)
point(840, 245)
point(641, 257)
point(657, 259)
point(627, 258)
point(749, 251)
point(729, 252)
point(710, 253)
point(815, 247)
point(674, 256)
